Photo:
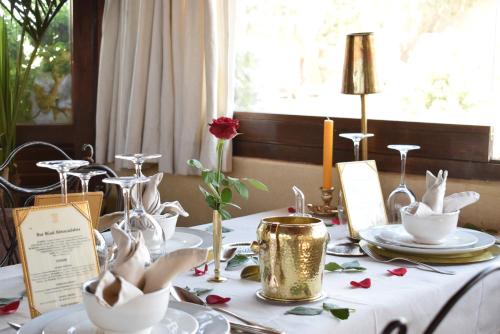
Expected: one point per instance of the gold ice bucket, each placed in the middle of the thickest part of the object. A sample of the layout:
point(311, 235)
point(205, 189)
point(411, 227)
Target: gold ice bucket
point(292, 256)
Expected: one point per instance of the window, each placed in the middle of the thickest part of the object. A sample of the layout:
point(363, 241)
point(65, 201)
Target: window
point(47, 99)
point(437, 60)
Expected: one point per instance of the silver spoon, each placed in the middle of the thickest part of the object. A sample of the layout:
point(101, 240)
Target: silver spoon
point(180, 294)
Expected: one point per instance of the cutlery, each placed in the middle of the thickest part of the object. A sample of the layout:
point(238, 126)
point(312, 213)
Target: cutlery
point(183, 295)
point(14, 325)
point(422, 266)
point(228, 253)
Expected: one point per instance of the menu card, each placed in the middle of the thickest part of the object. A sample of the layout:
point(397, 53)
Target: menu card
point(57, 249)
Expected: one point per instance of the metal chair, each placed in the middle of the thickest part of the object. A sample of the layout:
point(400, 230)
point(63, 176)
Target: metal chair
point(401, 326)
point(14, 195)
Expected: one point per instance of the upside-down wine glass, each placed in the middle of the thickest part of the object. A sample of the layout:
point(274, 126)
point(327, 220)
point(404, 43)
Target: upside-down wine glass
point(139, 219)
point(402, 195)
point(85, 177)
point(63, 167)
point(356, 140)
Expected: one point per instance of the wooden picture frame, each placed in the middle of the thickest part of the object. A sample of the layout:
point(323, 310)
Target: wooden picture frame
point(94, 198)
point(58, 254)
point(364, 204)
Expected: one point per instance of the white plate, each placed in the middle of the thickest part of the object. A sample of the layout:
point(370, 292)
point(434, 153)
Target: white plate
point(204, 235)
point(484, 241)
point(209, 321)
point(396, 234)
point(181, 240)
point(77, 322)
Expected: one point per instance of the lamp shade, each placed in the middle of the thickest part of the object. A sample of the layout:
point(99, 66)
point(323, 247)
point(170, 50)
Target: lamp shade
point(359, 65)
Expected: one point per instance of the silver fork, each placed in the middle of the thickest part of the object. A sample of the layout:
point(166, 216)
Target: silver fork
point(379, 258)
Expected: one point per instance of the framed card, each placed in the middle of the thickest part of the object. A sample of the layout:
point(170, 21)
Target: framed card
point(58, 254)
point(94, 199)
point(364, 204)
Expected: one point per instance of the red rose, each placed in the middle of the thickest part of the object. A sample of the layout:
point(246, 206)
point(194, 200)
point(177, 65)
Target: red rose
point(224, 127)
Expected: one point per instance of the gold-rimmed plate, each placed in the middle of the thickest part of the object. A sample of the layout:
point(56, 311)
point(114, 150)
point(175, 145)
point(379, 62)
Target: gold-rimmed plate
point(464, 258)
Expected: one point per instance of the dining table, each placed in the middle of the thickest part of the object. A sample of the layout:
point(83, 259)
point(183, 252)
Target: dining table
point(417, 296)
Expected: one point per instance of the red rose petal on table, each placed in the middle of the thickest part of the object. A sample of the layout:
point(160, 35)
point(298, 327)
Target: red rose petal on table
point(398, 271)
point(365, 284)
point(214, 299)
point(291, 210)
point(199, 272)
point(335, 221)
point(9, 308)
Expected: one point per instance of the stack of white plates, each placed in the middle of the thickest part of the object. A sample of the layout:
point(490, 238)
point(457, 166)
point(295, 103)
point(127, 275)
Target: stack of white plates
point(395, 238)
point(181, 318)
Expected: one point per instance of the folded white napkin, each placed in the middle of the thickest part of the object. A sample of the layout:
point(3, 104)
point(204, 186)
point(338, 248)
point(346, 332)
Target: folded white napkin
point(129, 277)
point(458, 201)
point(436, 188)
point(434, 200)
point(151, 198)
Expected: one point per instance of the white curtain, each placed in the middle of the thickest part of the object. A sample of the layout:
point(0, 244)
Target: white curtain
point(166, 70)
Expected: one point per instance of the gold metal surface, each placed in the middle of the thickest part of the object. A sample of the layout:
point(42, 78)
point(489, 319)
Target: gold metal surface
point(359, 75)
point(464, 258)
point(325, 209)
point(260, 295)
point(364, 204)
point(217, 247)
point(292, 256)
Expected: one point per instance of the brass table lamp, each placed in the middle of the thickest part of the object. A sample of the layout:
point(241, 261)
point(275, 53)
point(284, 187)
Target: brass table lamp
point(359, 75)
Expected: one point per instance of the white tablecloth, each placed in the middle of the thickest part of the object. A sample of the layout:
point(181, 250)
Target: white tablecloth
point(417, 296)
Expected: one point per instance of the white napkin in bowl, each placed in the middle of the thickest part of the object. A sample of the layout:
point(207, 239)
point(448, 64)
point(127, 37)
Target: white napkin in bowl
point(458, 201)
point(419, 209)
point(436, 188)
point(114, 290)
point(163, 270)
point(151, 198)
point(132, 256)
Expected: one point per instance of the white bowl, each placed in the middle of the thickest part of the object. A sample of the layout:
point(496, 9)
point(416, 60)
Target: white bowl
point(168, 222)
point(137, 316)
point(432, 229)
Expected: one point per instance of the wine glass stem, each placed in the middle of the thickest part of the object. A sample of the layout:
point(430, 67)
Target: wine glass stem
point(126, 202)
point(356, 150)
point(63, 179)
point(138, 186)
point(85, 187)
point(403, 168)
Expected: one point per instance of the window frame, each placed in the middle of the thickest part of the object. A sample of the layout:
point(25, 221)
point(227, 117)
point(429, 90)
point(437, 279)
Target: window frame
point(86, 35)
point(464, 150)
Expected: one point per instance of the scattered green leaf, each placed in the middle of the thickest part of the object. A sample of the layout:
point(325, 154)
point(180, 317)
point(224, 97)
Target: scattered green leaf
point(333, 266)
point(198, 291)
point(251, 273)
point(352, 266)
point(303, 310)
point(238, 261)
point(341, 313)
point(224, 229)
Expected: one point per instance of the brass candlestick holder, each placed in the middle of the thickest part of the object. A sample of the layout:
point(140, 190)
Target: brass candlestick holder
point(325, 209)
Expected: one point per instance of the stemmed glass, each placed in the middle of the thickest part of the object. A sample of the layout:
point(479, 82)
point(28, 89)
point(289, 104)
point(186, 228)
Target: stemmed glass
point(85, 177)
point(356, 140)
point(63, 167)
point(139, 218)
point(402, 195)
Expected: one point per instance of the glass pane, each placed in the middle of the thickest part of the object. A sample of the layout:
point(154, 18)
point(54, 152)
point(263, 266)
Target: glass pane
point(436, 59)
point(47, 98)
